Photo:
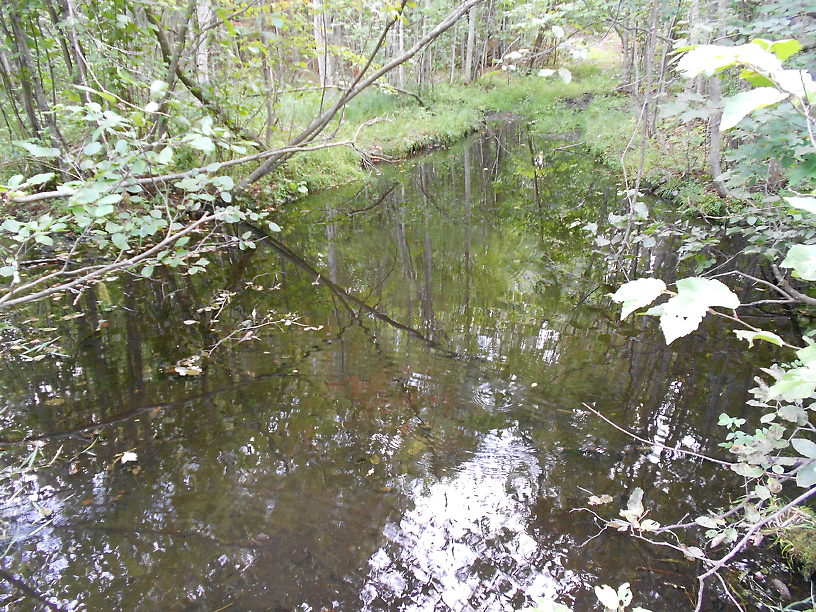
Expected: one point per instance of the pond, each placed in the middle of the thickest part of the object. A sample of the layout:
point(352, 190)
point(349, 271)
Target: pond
point(411, 435)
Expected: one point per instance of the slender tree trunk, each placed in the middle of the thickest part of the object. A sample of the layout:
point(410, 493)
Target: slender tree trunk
point(717, 10)
point(471, 43)
point(33, 94)
point(321, 36)
point(204, 14)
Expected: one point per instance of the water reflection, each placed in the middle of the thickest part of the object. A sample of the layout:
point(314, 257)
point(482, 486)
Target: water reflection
point(423, 450)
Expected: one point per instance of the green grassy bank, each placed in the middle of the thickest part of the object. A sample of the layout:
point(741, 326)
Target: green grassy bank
point(396, 126)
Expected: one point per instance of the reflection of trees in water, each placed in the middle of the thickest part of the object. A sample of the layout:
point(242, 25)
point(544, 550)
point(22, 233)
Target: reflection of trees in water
point(400, 458)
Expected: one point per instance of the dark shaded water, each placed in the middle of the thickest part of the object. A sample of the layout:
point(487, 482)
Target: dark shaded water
point(423, 450)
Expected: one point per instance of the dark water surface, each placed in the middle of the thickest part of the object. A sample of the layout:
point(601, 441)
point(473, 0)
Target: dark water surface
point(423, 450)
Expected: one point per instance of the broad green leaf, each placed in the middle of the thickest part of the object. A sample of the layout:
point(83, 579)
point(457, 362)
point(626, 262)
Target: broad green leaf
point(635, 294)
point(802, 258)
point(224, 183)
point(112, 198)
point(39, 179)
point(120, 241)
point(752, 336)
point(795, 384)
point(92, 148)
point(798, 82)
point(806, 448)
point(274, 227)
point(806, 477)
point(711, 59)
point(707, 522)
point(683, 313)
point(739, 106)
point(11, 225)
point(165, 156)
point(202, 143)
point(37, 151)
point(807, 355)
point(783, 49)
point(803, 203)
point(710, 292)
point(147, 271)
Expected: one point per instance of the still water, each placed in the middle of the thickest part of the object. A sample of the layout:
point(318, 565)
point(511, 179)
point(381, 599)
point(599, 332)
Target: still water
point(416, 440)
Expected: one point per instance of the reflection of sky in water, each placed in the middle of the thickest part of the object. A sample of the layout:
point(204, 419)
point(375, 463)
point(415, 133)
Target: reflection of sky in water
point(465, 544)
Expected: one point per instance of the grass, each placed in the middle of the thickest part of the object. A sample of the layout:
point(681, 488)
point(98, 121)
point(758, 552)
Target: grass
point(675, 165)
point(398, 127)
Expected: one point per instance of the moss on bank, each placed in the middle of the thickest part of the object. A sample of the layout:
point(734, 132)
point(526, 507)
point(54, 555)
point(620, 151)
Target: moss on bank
point(795, 533)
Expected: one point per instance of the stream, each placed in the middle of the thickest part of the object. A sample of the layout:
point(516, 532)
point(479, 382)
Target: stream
point(412, 435)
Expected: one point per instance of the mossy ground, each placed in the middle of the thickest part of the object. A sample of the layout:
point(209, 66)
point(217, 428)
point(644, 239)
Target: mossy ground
point(796, 536)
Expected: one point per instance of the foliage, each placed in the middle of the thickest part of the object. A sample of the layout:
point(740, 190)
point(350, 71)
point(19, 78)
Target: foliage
point(782, 449)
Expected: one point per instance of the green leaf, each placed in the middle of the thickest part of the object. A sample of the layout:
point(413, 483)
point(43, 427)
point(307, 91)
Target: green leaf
point(806, 448)
point(802, 258)
point(807, 355)
point(112, 198)
point(634, 294)
point(746, 102)
point(120, 241)
point(202, 143)
point(806, 477)
point(36, 150)
point(795, 384)
point(92, 148)
point(752, 336)
point(683, 313)
point(165, 156)
point(11, 225)
point(147, 271)
point(783, 49)
point(808, 204)
point(39, 179)
point(274, 227)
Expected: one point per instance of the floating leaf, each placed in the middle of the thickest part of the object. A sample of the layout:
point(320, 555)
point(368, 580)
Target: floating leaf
point(128, 457)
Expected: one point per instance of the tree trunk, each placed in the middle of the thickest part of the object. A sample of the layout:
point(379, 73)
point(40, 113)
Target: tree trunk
point(325, 65)
point(471, 43)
